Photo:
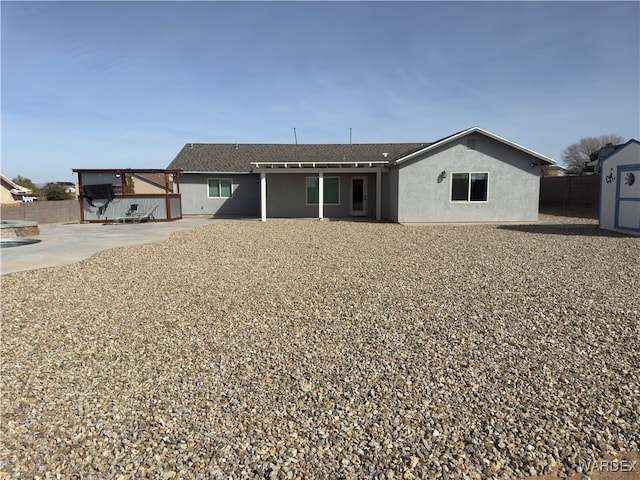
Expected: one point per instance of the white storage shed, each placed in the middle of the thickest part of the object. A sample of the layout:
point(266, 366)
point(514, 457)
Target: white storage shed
point(620, 189)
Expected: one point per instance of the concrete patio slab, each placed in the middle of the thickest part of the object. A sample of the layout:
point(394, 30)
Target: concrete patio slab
point(68, 243)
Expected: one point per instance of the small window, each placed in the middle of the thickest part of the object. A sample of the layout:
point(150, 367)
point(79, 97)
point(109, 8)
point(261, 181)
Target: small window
point(469, 187)
point(460, 187)
point(331, 190)
point(478, 187)
point(220, 187)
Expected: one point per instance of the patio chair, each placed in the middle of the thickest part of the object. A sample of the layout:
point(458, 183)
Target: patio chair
point(147, 215)
point(133, 211)
point(129, 216)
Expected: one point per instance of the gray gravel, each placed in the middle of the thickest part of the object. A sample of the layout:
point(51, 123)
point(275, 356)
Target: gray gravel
point(307, 349)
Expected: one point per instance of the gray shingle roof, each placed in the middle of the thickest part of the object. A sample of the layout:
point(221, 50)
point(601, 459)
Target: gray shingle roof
point(231, 157)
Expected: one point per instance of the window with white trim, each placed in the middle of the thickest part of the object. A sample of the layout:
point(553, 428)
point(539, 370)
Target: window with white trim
point(331, 190)
point(469, 187)
point(220, 187)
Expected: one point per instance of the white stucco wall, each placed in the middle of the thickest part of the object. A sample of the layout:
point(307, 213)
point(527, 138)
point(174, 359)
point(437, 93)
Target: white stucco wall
point(619, 196)
point(513, 191)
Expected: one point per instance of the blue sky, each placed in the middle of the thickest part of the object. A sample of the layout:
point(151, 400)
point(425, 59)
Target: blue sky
point(127, 84)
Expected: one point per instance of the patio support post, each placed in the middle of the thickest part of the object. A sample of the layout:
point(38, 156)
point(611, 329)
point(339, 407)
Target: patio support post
point(320, 195)
point(263, 196)
point(81, 197)
point(378, 193)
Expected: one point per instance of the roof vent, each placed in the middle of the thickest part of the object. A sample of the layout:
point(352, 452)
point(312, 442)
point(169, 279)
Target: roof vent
point(471, 143)
point(191, 145)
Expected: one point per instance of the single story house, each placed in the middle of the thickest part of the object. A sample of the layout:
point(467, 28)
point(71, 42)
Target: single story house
point(470, 176)
point(620, 188)
point(11, 192)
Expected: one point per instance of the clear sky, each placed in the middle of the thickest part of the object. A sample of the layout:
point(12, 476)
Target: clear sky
point(127, 84)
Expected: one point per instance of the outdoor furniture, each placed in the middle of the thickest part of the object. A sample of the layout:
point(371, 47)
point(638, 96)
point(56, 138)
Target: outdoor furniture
point(147, 215)
point(133, 210)
point(133, 216)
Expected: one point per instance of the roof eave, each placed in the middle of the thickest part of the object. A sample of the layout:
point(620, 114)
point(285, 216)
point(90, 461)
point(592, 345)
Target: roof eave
point(214, 172)
point(617, 149)
point(128, 170)
point(433, 146)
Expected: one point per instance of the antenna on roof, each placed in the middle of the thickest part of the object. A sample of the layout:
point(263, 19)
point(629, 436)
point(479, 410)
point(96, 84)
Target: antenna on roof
point(295, 135)
point(349, 135)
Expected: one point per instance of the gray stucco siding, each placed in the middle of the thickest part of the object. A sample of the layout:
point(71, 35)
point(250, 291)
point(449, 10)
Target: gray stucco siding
point(244, 201)
point(390, 198)
point(513, 184)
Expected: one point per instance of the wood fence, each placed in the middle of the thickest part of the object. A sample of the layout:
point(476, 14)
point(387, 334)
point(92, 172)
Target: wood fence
point(571, 191)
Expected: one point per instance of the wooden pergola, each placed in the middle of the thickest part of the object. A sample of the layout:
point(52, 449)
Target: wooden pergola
point(116, 194)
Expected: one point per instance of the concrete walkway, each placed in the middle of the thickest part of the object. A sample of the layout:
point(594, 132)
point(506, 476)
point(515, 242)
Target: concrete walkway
point(69, 243)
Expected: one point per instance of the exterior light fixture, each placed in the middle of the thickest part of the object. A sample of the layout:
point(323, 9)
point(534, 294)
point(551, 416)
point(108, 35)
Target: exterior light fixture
point(534, 164)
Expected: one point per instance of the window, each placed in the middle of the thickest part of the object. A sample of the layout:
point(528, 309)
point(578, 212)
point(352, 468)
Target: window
point(469, 187)
point(331, 190)
point(220, 187)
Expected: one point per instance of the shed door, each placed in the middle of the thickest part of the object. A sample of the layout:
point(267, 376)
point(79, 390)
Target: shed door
point(628, 197)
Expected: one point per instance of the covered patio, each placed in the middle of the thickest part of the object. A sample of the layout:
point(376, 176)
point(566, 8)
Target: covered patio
point(323, 184)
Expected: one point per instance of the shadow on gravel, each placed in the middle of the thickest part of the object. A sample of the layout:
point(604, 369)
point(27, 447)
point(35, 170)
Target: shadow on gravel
point(583, 229)
point(571, 212)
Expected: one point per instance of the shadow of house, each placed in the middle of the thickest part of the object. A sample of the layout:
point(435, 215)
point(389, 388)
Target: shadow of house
point(573, 229)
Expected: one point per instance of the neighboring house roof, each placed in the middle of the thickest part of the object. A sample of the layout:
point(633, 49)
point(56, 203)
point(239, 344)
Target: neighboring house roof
point(616, 149)
point(237, 158)
point(553, 171)
point(468, 131)
point(155, 179)
point(16, 189)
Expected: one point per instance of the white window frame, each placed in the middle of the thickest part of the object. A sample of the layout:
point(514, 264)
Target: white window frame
point(219, 179)
point(306, 189)
point(468, 200)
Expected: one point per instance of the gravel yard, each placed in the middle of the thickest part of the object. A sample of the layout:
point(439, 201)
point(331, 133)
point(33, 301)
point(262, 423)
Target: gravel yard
point(307, 349)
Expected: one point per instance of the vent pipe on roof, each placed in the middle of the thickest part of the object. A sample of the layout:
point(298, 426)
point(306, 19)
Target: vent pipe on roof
point(349, 135)
point(295, 135)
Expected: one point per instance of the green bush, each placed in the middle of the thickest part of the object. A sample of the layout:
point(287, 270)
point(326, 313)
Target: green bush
point(53, 191)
